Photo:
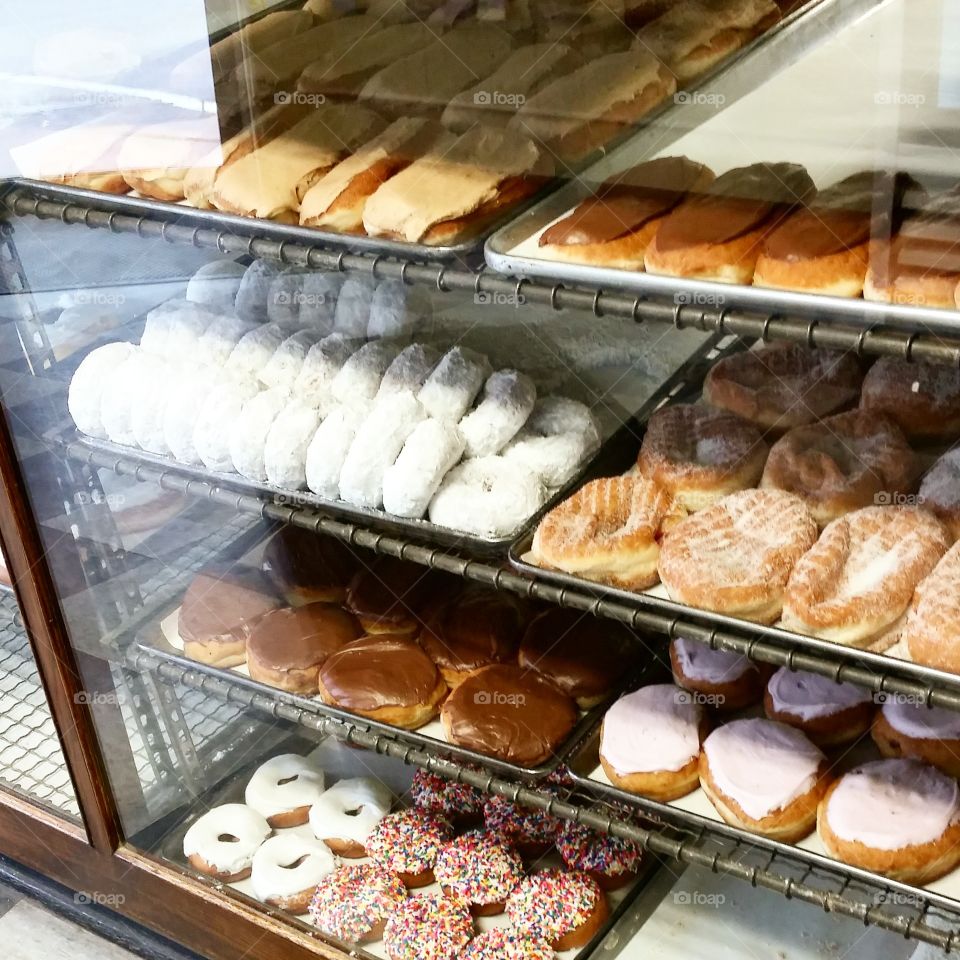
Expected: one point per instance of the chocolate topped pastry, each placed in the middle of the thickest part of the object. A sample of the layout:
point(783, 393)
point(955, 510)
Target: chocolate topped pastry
point(580, 654)
point(386, 594)
point(615, 226)
point(385, 678)
point(472, 630)
point(509, 713)
point(221, 607)
point(287, 647)
point(307, 566)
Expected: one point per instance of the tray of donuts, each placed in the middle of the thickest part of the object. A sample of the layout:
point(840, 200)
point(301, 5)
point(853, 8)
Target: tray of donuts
point(396, 867)
point(425, 657)
point(802, 490)
point(790, 758)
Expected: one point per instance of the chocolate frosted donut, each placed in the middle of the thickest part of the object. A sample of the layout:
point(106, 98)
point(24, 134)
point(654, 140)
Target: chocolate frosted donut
point(385, 678)
point(386, 594)
point(472, 630)
point(307, 566)
point(287, 647)
point(221, 607)
point(509, 713)
point(578, 653)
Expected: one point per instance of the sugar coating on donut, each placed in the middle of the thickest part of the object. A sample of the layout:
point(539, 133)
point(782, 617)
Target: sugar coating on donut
point(396, 310)
point(352, 314)
point(376, 446)
point(550, 903)
point(221, 408)
point(489, 497)
point(359, 379)
point(325, 359)
point(408, 841)
point(350, 809)
point(183, 409)
point(430, 451)
point(892, 804)
point(328, 450)
point(353, 899)
point(283, 299)
point(940, 489)
point(507, 402)
point(502, 943)
point(254, 350)
point(215, 284)
point(148, 403)
point(87, 385)
point(808, 695)
point(478, 868)
point(454, 384)
point(121, 384)
point(652, 729)
point(554, 459)
point(288, 864)
point(407, 371)
point(231, 820)
point(219, 339)
point(254, 291)
point(584, 849)
point(173, 329)
point(285, 451)
point(428, 927)
point(284, 366)
point(284, 783)
point(248, 436)
point(318, 301)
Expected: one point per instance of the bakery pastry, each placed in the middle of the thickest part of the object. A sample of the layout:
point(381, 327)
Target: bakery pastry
point(504, 942)
point(408, 843)
point(563, 908)
point(284, 789)
point(922, 398)
point(824, 247)
point(721, 679)
point(222, 842)
point(458, 803)
point(306, 566)
point(695, 35)
point(531, 832)
point(337, 200)
point(582, 655)
point(511, 714)
point(287, 647)
point(842, 463)
point(717, 234)
point(700, 454)
point(764, 777)
point(387, 679)
point(586, 109)
point(831, 714)
point(609, 531)
point(479, 869)
point(899, 818)
point(354, 902)
point(856, 583)
point(286, 870)
point(271, 181)
point(428, 927)
point(940, 491)
point(614, 226)
point(783, 386)
point(456, 188)
point(611, 861)
point(650, 742)
point(904, 728)
point(932, 630)
point(220, 609)
point(735, 557)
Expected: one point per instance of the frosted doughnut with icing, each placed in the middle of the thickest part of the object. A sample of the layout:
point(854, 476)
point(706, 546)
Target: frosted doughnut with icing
point(286, 870)
point(284, 788)
point(612, 861)
point(354, 902)
point(829, 713)
point(223, 841)
point(903, 728)
point(724, 680)
point(478, 869)
point(408, 844)
point(508, 400)
point(502, 943)
point(563, 908)
point(428, 927)
point(650, 742)
point(764, 777)
point(87, 385)
point(900, 818)
point(346, 814)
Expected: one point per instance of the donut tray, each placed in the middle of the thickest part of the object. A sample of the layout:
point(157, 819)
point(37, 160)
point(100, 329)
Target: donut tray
point(339, 762)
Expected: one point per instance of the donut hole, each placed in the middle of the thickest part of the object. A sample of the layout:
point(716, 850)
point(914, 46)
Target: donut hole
point(294, 864)
point(353, 812)
point(228, 838)
point(285, 780)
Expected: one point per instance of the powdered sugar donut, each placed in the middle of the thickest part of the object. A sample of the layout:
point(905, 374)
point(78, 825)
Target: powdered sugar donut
point(149, 401)
point(346, 814)
point(183, 410)
point(219, 339)
point(454, 384)
point(285, 452)
point(254, 350)
point(283, 299)
point(328, 450)
point(323, 362)
point(359, 379)
point(248, 436)
point(352, 315)
point(286, 870)
point(284, 366)
point(221, 408)
point(488, 497)
point(116, 401)
point(254, 291)
point(284, 789)
point(431, 450)
point(87, 384)
point(318, 301)
point(375, 447)
point(407, 371)
point(173, 329)
point(395, 310)
point(215, 284)
point(508, 399)
point(223, 841)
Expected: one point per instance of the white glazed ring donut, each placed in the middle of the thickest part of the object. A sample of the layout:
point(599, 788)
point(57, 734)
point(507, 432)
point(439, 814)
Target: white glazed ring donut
point(346, 814)
point(284, 788)
point(287, 869)
point(223, 841)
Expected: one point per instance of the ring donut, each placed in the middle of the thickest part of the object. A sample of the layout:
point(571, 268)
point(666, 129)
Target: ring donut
point(287, 869)
point(345, 815)
point(354, 902)
point(223, 841)
point(283, 789)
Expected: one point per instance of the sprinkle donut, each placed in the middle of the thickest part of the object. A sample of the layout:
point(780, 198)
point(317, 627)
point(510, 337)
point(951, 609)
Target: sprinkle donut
point(531, 832)
point(565, 909)
point(223, 841)
point(457, 803)
point(344, 816)
point(354, 902)
point(408, 843)
point(428, 927)
point(612, 861)
point(480, 870)
point(287, 869)
point(502, 943)
point(283, 790)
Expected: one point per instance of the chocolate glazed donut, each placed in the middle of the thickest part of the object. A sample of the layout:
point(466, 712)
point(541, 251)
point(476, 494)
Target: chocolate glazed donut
point(307, 566)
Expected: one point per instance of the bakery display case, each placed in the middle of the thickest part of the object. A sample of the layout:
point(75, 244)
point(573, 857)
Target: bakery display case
point(480, 478)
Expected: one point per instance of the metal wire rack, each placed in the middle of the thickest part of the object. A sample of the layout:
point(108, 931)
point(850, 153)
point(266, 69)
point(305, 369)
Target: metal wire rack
point(933, 341)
